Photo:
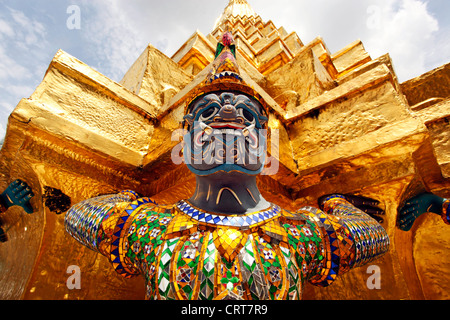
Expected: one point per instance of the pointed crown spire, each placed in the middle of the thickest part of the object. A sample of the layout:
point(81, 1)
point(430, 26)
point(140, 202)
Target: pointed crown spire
point(224, 74)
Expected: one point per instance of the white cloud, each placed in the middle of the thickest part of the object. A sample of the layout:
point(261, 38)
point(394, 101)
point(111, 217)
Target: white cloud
point(5, 110)
point(6, 29)
point(6, 106)
point(111, 38)
point(29, 32)
point(23, 48)
point(10, 68)
point(20, 90)
point(20, 34)
point(406, 31)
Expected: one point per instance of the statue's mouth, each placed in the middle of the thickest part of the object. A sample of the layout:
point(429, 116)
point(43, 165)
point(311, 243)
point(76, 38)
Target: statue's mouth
point(220, 143)
point(227, 131)
point(228, 125)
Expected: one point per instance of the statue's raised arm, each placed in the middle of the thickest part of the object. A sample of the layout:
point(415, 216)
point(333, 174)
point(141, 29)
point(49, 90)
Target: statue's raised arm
point(349, 237)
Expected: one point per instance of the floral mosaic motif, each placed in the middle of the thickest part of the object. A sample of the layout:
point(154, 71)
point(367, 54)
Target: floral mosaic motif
point(230, 277)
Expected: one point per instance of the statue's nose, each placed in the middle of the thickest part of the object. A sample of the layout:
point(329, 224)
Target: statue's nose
point(227, 112)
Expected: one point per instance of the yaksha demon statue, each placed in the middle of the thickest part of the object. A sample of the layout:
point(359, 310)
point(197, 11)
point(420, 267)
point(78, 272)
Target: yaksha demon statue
point(226, 242)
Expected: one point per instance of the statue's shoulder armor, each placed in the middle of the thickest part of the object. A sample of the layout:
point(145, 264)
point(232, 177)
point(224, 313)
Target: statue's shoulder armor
point(139, 231)
point(296, 223)
point(140, 217)
point(150, 214)
point(292, 217)
point(303, 216)
point(304, 237)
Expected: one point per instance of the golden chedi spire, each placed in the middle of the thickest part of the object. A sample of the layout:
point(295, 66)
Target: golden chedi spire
point(236, 8)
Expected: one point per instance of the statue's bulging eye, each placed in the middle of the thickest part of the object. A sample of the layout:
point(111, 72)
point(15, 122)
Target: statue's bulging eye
point(208, 114)
point(247, 115)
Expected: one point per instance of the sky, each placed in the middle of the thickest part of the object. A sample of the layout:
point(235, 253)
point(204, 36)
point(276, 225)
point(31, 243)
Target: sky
point(110, 35)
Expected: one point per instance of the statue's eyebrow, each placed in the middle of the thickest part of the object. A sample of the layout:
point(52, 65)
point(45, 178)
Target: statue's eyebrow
point(249, 103)
point(206, 100)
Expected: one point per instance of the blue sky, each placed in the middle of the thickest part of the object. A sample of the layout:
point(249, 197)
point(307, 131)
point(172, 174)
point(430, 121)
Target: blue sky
point(112, 34)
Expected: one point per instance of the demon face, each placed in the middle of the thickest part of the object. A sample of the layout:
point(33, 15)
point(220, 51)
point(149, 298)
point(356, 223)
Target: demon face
point(226, 132)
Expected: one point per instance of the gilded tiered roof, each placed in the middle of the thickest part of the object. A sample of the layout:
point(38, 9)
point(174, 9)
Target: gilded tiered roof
point(260, 43)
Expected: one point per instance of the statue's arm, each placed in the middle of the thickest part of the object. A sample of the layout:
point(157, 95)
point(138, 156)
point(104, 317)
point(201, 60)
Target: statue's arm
point(352, 238)
point(106, 225)
point(85, 220)
point(369, 238)
point(420, 204)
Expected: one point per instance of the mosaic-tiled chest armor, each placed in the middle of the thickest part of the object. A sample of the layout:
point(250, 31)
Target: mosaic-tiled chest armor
point(186, 253)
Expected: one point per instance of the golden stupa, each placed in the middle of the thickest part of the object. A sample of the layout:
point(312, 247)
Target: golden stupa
point(344, 122)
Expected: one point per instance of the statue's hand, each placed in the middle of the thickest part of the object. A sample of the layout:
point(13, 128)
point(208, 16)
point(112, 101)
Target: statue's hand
point(415, 207)
point(367, 205)
point(18, 193)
